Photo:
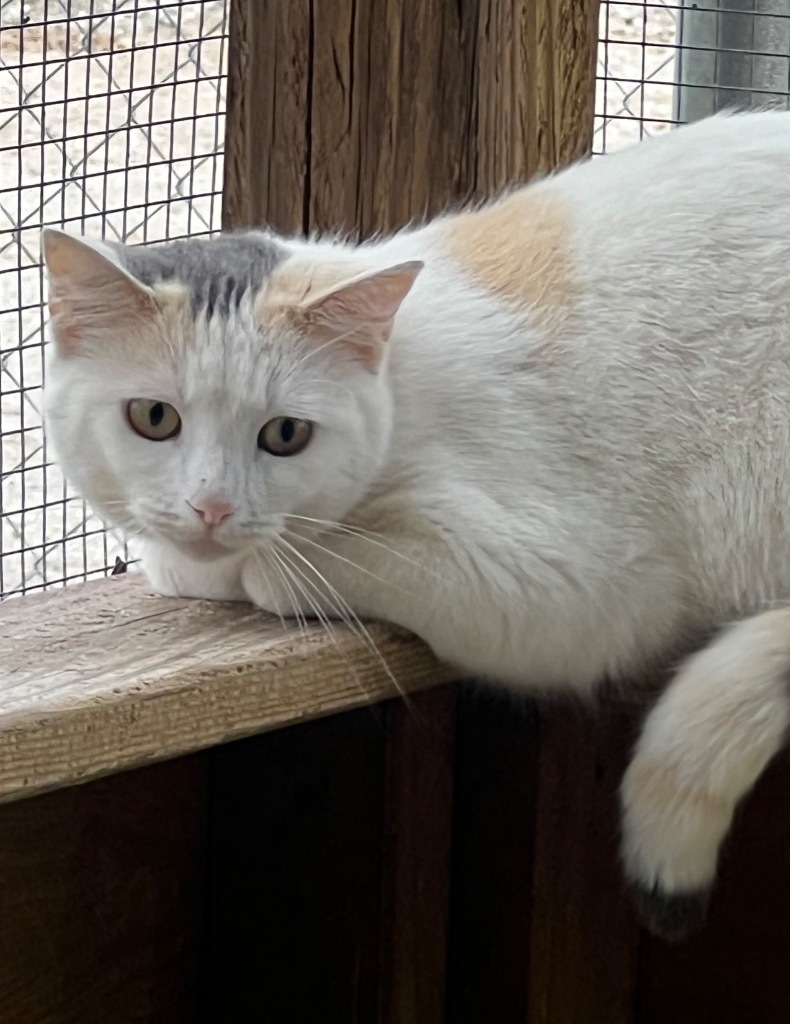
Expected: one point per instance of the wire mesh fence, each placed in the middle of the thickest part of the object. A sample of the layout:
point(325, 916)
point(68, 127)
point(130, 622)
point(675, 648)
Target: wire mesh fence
point(665, 62)
point(637, 52)
point(111, 124)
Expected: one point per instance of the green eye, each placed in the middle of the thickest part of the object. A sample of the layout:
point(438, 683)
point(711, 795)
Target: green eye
point(154, 420)
point(285, 436)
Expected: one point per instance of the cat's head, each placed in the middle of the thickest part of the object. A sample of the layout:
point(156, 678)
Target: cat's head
point(199, 392)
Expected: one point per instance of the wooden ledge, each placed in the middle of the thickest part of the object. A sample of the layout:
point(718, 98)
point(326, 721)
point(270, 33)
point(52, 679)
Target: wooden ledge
point(104, 676)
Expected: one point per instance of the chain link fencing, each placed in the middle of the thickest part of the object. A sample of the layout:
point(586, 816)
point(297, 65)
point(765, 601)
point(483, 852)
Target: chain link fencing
point(112, 123)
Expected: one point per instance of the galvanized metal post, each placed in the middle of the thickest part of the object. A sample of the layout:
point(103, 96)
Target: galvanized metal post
point(732, 53)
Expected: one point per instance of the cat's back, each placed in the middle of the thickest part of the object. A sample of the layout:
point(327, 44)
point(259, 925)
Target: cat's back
point(682, 251)
point(703, 207)
point(623, 329)
point(692, 164)
point(682, 217)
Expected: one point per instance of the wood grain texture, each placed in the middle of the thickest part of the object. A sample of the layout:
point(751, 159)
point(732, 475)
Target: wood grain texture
point(362, 117)
point(542, 929)
point(295, 855)
point(497, 750)
point(584, 935)
point(329, 847)
point(103, 677)
point(534, 93)
point(416, 897)
point(266, 128)
point(100, 900)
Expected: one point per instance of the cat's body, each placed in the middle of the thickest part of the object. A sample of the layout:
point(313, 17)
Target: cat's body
point(559, 449)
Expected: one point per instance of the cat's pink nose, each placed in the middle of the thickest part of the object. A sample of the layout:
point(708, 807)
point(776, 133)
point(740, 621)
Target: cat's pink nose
point(212, 511)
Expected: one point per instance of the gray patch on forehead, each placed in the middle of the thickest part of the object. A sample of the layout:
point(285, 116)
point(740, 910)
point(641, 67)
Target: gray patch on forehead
point(217, 271)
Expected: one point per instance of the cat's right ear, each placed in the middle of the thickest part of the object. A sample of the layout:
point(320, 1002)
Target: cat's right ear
point(91, 297)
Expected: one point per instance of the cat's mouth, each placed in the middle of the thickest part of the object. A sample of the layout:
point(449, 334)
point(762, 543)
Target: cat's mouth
point(204, 549)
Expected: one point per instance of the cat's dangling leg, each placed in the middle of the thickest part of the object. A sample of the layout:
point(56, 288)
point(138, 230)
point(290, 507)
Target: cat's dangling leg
point(704, 745)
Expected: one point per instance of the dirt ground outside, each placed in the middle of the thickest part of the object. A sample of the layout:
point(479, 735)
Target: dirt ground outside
point(112, 122)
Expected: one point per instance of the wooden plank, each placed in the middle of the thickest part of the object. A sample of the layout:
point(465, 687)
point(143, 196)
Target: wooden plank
point(417, 858)
point(542, 929)
point(584, 935)
point(295, 874)
point(104, 677)
point(411, 66)
point(100, 894)
point(497, 744)
point(328, 861)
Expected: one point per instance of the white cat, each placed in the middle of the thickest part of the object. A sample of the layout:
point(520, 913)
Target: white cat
point(550, 436)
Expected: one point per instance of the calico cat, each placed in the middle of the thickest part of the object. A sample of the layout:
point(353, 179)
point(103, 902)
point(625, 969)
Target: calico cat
point(551, 436)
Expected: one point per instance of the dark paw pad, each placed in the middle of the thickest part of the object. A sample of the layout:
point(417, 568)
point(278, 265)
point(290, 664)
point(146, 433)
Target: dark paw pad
point(672, 917)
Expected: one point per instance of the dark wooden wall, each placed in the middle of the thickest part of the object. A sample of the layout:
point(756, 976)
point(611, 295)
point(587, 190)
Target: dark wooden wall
point(307, 875)
point(450, 863)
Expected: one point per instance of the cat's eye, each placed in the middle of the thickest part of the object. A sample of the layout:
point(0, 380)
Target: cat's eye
point(285, 435)
point(156, 421)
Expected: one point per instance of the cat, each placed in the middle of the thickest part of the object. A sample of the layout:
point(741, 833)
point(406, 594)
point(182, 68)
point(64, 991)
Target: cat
point(550, 435)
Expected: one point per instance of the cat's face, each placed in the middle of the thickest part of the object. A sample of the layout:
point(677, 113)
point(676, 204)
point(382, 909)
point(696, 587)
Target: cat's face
point(202, 392)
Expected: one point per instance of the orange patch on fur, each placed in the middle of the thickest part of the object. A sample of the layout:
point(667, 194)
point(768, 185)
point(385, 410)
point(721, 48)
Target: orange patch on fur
point(658, 790)
point(176, 321)
point(518, 248)
point(293, 284)
point(145, 333)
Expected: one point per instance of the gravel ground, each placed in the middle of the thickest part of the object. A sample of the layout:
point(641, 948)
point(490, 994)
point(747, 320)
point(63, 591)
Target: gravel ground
point(146, 89)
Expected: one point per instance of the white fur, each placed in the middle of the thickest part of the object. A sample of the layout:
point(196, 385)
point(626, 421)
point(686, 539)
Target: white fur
point(548, 508)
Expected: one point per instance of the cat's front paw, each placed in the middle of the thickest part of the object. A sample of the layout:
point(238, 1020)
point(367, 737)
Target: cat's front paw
point(269, 592)
point(171, 574)
point(160, 578)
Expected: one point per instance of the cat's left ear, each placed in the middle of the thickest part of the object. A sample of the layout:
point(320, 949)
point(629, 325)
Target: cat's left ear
point(360, 312)
point(92, 298)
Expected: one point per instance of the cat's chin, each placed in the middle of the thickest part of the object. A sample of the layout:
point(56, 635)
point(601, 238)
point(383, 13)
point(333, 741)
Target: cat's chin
point(204, 549)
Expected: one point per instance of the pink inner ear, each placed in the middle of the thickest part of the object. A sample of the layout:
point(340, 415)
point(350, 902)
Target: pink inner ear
point(90, 297)
point(372, 299)
point(65, 329)
point(361, 311)
point(95, 317)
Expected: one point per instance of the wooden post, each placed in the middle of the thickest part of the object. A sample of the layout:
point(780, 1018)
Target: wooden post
point(360, 116)
point(363, 116)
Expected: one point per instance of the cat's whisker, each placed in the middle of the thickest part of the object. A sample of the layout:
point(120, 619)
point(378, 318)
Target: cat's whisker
point(347, 561)
point(295, 571)
point(289, 570)
point(370, 537)
point(130, 524)
point(275, 562)
point(333, 523)
point(350, 617)
point(270, 564)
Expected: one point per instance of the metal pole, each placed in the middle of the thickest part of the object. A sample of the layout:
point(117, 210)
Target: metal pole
point(732, 53)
